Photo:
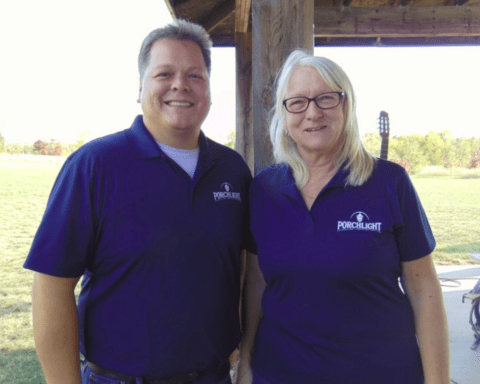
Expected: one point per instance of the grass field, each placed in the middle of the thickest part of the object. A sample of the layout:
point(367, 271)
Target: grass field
point(451, 200)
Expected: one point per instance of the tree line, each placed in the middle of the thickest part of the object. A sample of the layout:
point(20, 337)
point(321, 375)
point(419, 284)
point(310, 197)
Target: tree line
point(416, 151)
point(413, 151)
point(50, 147)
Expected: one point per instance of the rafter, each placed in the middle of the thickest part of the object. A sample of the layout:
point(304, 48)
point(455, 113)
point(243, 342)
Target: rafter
point(218, 14)
point(397, 21)
point(242, 15)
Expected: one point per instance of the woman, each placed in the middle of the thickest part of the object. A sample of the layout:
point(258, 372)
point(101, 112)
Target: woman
point(335, 229)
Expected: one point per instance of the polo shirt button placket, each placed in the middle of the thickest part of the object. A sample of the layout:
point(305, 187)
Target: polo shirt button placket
point(309, 223)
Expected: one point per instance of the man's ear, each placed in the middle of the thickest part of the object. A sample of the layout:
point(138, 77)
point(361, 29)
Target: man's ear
point(140, 91)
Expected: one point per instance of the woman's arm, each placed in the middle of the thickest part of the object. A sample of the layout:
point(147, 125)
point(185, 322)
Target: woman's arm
point(253, 292)
point(421, 285)
point(55, 328)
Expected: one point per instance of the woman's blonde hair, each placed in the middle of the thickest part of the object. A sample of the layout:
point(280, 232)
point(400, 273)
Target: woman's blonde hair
point(358, 161)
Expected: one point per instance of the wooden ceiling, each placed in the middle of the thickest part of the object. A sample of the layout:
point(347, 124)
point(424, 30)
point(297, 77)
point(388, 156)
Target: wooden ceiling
point(351, 22)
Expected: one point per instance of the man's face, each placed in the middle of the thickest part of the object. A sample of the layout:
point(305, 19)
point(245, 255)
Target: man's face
point(175, 92)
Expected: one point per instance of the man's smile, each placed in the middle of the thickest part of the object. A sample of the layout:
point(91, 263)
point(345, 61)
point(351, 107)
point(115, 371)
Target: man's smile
point(179, 103)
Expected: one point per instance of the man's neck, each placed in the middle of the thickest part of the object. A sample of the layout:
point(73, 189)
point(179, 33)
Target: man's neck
point(186, 139)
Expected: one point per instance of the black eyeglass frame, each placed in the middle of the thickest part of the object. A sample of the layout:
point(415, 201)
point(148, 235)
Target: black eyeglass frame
point(314, 99)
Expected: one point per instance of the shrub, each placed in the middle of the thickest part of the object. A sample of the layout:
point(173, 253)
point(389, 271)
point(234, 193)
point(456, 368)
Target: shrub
point(405, 163)
point(475, 160)
point(446, 162)
point(44, 148)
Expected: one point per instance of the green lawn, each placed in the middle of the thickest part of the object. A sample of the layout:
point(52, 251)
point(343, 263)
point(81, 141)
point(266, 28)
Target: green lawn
point(20, 367)
point(451, 200)
point(452, 204)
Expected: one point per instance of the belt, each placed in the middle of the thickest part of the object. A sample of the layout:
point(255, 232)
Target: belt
point(188, 378)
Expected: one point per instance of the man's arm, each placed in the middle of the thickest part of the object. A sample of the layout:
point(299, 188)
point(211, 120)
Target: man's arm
point(55, 328)
point(254, 287)
point(425, 295)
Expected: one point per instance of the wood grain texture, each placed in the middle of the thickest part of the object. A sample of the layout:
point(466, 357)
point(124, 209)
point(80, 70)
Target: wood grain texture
point(244, 126)
point(279, 27)
point(218, 14)
point(397, 21)
point(243, 9)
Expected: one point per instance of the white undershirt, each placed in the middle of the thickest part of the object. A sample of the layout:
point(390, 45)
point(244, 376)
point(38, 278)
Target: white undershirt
point(187, 159)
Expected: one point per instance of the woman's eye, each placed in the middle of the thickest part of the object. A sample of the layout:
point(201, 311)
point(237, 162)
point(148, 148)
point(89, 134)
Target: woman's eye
point(325, 98)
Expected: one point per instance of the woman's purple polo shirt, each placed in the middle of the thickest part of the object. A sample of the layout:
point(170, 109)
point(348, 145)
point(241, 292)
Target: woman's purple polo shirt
point(334, 312)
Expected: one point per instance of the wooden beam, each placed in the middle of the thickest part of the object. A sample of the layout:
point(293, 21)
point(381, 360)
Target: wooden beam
point(242, 15)
point(443, 41)
point(279, 27)
point(397, 22)
point(218, 14)
point(171, 9)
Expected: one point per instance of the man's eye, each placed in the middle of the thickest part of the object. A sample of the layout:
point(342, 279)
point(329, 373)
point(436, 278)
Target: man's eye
point(163, 74)
point(195, 76)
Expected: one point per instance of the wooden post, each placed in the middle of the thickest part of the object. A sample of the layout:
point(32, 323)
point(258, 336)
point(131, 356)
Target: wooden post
point(243, 59)
point(244, 127)
point(279, 27)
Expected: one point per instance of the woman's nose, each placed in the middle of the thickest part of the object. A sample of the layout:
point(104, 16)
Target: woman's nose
point(313, 111)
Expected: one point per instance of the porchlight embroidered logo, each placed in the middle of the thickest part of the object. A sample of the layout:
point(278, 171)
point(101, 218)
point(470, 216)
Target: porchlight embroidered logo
point(360, 224)
point(226, 193)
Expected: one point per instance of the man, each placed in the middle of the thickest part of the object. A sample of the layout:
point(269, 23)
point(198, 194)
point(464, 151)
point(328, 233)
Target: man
point(154, 218)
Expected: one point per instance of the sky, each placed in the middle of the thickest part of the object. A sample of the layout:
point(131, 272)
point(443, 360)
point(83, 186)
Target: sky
point(69, 68)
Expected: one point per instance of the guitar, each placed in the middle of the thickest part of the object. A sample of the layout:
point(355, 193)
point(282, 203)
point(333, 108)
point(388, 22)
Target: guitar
point(384, 130)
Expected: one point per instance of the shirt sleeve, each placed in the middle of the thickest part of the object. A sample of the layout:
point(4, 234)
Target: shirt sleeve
point(64, 241)
point(414, 235)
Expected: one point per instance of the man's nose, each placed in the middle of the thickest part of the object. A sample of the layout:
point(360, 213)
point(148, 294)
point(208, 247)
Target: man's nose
point(180, 83)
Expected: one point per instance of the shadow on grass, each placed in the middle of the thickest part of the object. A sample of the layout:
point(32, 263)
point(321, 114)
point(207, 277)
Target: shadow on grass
point(20, 367)
point(19, 307)
point(461, 248)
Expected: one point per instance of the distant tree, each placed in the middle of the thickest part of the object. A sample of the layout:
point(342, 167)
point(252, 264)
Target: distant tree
point(2, 143)
point(28, 149)
point(82, 138)
point(408, 147)
point(434, 147)
point(13, 148)
point(52, 148)
point(231, 139)
point(372, 142)
point(475, 160)
point(405, 163)
point(465, 149)
point(40, 147)
point(68, 148)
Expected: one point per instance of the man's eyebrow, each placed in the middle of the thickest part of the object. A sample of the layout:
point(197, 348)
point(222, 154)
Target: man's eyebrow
point(169, 66)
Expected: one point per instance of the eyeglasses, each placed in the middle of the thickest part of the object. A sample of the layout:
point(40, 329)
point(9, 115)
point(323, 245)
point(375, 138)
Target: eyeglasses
point(327, 100)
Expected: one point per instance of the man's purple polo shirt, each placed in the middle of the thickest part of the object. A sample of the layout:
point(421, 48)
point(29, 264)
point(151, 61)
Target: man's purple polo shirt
point(160, 252)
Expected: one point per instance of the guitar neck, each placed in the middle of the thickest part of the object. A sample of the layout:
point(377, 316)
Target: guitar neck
point(384, 148)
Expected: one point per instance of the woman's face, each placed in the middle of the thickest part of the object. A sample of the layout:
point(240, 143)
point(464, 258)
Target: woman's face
point(315, 131)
